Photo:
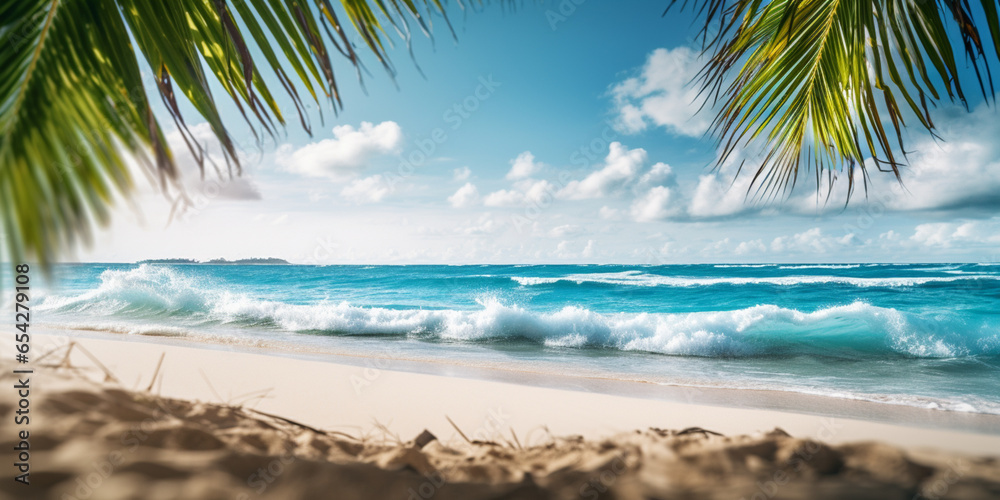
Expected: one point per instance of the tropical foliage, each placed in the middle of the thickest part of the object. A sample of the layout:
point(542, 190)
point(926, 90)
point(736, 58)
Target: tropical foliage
point(74, 111)
point(822, 85)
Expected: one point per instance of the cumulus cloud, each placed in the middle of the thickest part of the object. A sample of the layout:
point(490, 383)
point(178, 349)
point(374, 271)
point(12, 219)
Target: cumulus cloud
point(658, 175)
point(721, 194)
point(368, 190)
point(950, 234)
point(466, 196)
point(752, 247)
point(461, 174)
point(504, 198)
point(566, 230)
point(813, 241)
point(567, 250)
point(523, 167)
point(657, 204)
point(486, 224)
point(342, 157)
point(960, 173)
point(527, 191)
point(538, 192)
point(656, 193)
point(663, 95)
point(621, 168)
point(624, 171)
point(658, 197)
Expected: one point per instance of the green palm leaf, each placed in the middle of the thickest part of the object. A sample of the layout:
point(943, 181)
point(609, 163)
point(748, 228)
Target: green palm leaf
point(822, 84)
point(73, 108)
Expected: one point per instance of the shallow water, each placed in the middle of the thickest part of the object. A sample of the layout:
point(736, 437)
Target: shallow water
point(925, 335)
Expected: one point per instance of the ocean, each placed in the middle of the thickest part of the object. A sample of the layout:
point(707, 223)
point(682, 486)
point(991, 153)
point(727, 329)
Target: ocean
point(923, 335)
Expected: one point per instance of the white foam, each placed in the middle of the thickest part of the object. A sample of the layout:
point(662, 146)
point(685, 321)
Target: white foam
point(158, 293)
point(822, 266)
point(637, 278)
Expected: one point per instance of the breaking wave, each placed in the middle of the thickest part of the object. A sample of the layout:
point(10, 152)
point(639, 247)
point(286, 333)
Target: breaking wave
point(638, 278)
point(857, 330)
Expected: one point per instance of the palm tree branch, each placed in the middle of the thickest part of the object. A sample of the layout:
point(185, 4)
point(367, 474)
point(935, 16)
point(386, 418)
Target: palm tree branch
point(31, 69)
point(815, 83)
point(74, 111)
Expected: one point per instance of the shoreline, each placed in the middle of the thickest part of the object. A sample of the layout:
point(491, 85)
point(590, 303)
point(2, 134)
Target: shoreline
point(357, 394)
point(792, 401)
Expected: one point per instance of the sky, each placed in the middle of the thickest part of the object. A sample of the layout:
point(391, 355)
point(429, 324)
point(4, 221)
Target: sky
point(565, 132)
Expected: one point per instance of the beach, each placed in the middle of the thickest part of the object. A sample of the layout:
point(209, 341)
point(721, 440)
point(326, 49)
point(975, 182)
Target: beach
point(499, 252)
point(216, 410)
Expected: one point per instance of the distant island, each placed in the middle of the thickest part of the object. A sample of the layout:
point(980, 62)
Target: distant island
point(271, 261)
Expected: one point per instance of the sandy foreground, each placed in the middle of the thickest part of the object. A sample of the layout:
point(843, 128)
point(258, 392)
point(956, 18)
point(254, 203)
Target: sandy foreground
point(125, 419)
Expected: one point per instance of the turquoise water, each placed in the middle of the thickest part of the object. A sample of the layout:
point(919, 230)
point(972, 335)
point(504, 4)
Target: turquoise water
point(924, 335)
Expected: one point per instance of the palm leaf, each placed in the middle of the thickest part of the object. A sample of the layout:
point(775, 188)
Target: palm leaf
point(73, 109)
point(69, 110)
point(821, 85)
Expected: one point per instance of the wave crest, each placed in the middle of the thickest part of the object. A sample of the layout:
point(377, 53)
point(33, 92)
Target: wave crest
point(854, 330)
point(638, 278)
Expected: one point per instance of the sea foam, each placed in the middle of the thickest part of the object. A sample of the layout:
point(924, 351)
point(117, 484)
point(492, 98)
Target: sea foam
point(854, 330)
point(638, 278)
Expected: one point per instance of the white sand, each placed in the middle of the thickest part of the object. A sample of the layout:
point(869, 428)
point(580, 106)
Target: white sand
point(355, 399)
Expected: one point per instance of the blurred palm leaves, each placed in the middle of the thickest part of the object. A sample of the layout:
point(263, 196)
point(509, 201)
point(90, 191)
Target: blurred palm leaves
point(822, 85)
point(74, 112)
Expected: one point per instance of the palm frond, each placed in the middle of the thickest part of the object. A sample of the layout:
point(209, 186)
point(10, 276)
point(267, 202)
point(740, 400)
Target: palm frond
point(821, 85)
point(72, 101)
point(73, 109)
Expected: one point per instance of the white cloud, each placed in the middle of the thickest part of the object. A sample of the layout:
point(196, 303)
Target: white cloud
point(959, 174)
point(486, 224)
point(659, 175)
point(504, 198)
point(715, 197)
point(934, 234)
point(537, 192)
point(368, 190)
point(621, 167)
point(724, 194)
point(753, 247)
point(566, 230)
point(658, 203)
point(461, 174)
point(466, 196)
point(951, 234)
point(813, 241)
point(663, 94)
point(567, 250)
point(608, 213)
point(342, 157)
point(658, 197)
point(962, 172)
point(622, 172)
point(523, 167)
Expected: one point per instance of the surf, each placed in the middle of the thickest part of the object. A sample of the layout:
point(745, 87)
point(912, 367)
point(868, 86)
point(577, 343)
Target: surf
point(855, 330)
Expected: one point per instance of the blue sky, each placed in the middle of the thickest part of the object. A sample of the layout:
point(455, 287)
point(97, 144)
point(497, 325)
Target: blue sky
point(574, 140)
